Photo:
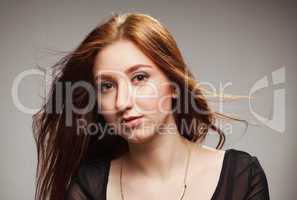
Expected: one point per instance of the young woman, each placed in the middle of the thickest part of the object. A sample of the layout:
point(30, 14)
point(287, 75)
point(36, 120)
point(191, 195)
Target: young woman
point(125, 119)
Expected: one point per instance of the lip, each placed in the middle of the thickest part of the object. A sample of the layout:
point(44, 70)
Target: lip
point(132, 121)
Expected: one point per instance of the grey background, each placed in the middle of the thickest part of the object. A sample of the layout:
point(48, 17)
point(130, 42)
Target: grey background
point(222, 41)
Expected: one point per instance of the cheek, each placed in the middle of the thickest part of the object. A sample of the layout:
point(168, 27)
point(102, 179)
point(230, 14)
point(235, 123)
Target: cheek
point(106, 102)
point(154, 98)
point(106, 109)
point(164, 101)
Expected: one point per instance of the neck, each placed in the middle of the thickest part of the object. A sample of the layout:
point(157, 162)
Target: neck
point(163, 156)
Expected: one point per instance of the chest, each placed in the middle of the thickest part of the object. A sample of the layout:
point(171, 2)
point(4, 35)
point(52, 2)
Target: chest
point(201, 184)
point(203, 178)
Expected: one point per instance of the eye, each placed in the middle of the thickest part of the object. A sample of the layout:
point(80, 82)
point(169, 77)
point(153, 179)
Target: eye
point(140, 77)
point(105, 86)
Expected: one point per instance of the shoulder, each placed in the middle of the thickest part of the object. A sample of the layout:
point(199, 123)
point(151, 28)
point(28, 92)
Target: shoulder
point(245, 174)
point(89, 169)
point(242, 161)
point(89, 179)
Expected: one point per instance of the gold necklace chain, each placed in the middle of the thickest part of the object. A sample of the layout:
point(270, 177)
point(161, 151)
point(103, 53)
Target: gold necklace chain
point(184, 181)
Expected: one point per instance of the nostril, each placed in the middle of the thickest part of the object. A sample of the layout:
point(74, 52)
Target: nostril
point(124, 101)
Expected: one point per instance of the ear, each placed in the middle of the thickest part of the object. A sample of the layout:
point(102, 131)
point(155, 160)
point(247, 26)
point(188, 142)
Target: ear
point(174, 93)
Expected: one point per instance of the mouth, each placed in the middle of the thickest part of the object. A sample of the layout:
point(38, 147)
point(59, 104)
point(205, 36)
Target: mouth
point(132, 122)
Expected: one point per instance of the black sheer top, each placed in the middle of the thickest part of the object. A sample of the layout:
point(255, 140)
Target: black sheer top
point(241, 178)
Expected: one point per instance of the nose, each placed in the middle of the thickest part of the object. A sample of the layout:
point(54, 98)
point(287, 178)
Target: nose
point(124, 97)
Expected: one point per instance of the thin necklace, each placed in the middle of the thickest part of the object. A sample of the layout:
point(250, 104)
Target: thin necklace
point(184, 181)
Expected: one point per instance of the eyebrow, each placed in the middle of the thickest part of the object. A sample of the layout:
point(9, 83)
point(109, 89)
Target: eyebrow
point(127, 71)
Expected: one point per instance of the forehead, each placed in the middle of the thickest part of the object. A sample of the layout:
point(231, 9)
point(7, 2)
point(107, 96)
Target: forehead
point(120, 56)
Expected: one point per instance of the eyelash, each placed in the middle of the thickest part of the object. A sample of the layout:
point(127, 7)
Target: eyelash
point(143, 74)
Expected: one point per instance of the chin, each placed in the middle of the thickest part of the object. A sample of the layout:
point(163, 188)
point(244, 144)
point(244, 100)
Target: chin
point(138, 137)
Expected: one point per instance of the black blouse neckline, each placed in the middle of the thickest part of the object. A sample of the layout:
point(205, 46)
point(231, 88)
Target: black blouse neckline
point(222, 173)
point(241, 177)
point(221, 177)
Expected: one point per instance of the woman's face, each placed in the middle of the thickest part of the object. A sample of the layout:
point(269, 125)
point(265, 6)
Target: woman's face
point(134, 95)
